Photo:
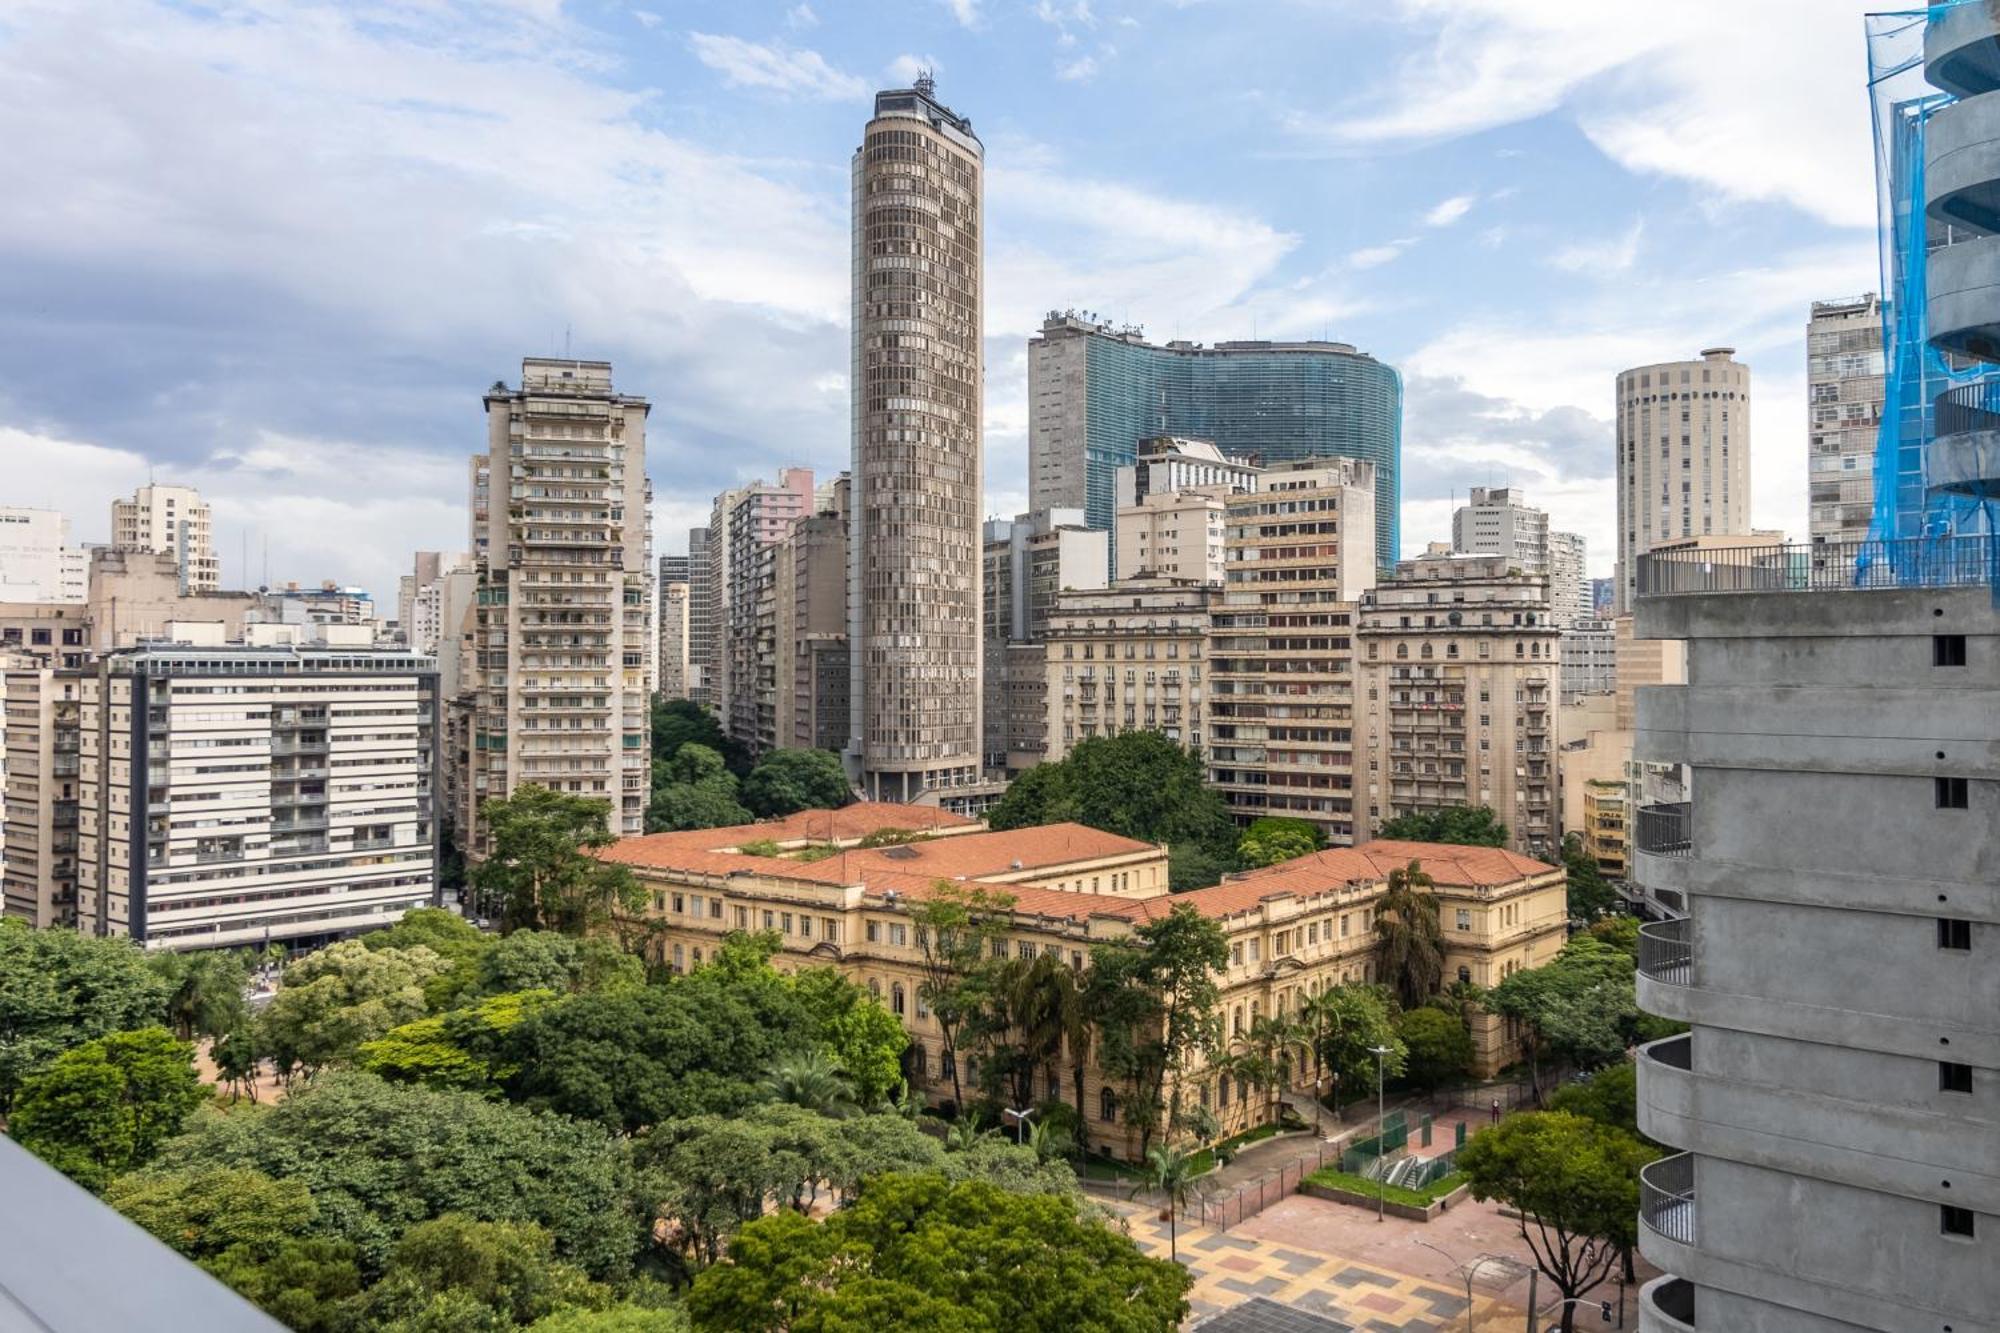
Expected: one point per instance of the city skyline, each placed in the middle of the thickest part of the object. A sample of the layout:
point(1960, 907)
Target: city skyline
point(1513, 251)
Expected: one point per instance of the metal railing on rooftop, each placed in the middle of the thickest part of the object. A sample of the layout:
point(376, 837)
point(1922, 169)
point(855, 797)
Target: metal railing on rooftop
point(1969, 407)
point(1666, 953)
point(1666, 830)
point(1918, 562)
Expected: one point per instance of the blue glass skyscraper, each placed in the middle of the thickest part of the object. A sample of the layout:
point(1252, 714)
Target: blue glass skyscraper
point(1095, 391)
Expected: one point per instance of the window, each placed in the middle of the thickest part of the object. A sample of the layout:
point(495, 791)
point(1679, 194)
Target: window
point(1954, 933)
point(899, 935)
point(896, 998)
point(1952, 794)
point(743, 918)
point(1107, 1104)
point(770, 920)
point(1955, 1221)
point(1948, 650)
point(785, 922)
point(680, 904)
point(1222, 1086)
point(947, 1064)
point(874, 932)
point(1465, 918)
point(1954, 1077)
point(715, 909)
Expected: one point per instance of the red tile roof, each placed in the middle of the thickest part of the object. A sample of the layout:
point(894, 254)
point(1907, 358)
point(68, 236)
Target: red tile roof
point(668, 850)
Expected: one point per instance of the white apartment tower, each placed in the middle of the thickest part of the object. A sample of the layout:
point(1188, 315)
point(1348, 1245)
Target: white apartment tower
point(1496, 520)
point(173, 520)
point(37, 561)
point(917, 384)
point(565, 587)
point(1844, 403)
point(1569, 584)
point(1683, 456)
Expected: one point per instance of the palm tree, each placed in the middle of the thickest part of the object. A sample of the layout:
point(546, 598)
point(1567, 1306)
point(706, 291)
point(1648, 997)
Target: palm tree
point(1410, 935)
point(813, 1080)
point(965, 1135)
point(1172, 1173)
point(1271, 1039)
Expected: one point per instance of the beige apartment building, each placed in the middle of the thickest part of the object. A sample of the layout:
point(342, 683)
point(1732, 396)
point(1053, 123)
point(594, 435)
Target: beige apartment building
point(673, 640)
point(170, 520)
point(1174, 535)
point(1293, 929)
point(565, 586)
point(39, 847)
point(1032, 562)
point(813, 674)
point(38, 561)
point(1683, 461)
point(232, 794)
point(1460, 678)
point(914, 552)
point(1844, 393)
point(1131, 657)
point(1299, 554)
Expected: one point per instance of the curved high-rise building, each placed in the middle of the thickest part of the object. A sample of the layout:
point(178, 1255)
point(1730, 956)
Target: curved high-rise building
point(1683, 456)
point(914, 561)
point(1095, 391)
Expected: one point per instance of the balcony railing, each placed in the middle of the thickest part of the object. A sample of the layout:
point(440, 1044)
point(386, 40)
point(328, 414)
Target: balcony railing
point(1969, 407)
point(1666, 953)
point(1917, 562)
point(1666, 830)
point(1666, 1197)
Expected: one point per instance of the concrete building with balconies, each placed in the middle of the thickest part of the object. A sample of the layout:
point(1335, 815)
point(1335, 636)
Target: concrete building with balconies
point(1836, 1101)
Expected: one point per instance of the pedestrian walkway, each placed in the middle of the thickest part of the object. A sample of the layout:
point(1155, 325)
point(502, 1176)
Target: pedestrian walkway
point(1229, 1268)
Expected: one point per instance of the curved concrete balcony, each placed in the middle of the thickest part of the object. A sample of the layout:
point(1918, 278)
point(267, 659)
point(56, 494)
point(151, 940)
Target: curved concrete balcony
point(1665, 977)
point(1962, 164)
point(1964, 456)
point(1667, 1212)
point(1963, 305)
point(1962, 50)
point(1666, 1305)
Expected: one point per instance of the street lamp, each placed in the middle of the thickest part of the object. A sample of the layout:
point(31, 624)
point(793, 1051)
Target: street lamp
point(1021, 1119)
point(1381, 1116)
point(1471, 1271)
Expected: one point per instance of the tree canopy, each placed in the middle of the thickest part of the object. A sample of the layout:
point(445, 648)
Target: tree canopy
point(1578, 1007)
point(917, 1252)
point(1438, 1045)
point(1466, 825)
point(106, 1106)
point(1410, 935)
point(539, 868)
point(460, 1048)
point(1590, 894)
point(694, 790)
point(1275, 838)
point(346, 994)
point(61, 988)
point(786, 781)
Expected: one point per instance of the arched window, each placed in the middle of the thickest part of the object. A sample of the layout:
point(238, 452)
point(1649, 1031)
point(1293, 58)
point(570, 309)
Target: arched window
point(920, 1061)
point(1222, 1089)
point(896, 998)
point(1236, 1022)
point(1107, 1104)
point(947, 1064)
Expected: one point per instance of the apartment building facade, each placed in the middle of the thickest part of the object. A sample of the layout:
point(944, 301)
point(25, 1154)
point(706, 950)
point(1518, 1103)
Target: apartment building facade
point(813, 671)
point(1174, 535)
point(1497, 520)
point(1832, 1103)
point(1299, 556)
point(1132, 657)
point(674, 660)
point(38, 822)
point(563, 616)
point(38, 562)
point(1460, 673)
point(170, 520)
point(1844, 396)
point(1032, 561)
point(1589, 658)
point(701, 620)
point(1569, 585)
point(1293, 929)
point(1683, 461)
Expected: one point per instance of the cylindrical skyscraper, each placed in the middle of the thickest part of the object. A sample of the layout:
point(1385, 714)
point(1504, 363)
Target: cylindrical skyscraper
point(1683, 456)
point(914, 561)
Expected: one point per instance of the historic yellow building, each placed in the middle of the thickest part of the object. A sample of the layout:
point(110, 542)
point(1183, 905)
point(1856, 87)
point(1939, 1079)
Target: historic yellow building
point(1294, 929)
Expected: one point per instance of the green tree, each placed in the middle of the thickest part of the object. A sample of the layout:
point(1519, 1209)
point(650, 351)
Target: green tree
point(626, 1318)
point(953, 926)
point(312, 1285)
point(1574, 1184)
point(1345, 1024)
point(1275, 838)
point(1610, 1097)
point(204, 1210)
point(1620, 932)
point(1466, 825)
point(105, 1107)
point(461, 1048)
point(1590, 894)
point(1409, 935)
point(239, 1058)
point(446, 934)
point(332, 1001)
point(544, 960)
point(856, 1030)
point(206, 999)
point(539, 865)
point(1016, 1168)
point(60, 989)
point(920, 1253)
point(684, 805)
point(1184, 954)
point(456, 1272)
point(1171, 1174)
point(381, 1157)
point(1138, 784)
point(1577, 1007)
point(786, 781)
point(677, 722)
point(812, 1080)
point(1439, 1048)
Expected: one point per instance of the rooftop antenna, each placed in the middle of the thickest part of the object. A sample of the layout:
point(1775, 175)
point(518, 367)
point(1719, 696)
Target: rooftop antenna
point(926, 82)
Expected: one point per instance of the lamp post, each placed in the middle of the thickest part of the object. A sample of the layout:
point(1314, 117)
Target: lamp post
point(1381, 1116)
point(1471, 1271)
point(1021, 1119)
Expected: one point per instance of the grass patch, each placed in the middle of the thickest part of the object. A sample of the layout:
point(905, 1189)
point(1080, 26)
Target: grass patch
point(1204, 1161)
point(1423, 1198)
point(817, 851)
point(1094, 1167)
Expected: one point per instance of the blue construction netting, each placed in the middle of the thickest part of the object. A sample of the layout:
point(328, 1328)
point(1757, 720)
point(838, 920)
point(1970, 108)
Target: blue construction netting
point(1908, 516)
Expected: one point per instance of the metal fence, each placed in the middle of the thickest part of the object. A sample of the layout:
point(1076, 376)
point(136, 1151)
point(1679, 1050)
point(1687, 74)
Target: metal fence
point(1916, 562)
point(1666, 829)
point(1246, 1201)
point(1666, 1197)
point(1666, 951)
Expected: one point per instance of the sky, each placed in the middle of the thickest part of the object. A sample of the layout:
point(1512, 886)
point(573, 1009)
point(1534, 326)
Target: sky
point(277, 250)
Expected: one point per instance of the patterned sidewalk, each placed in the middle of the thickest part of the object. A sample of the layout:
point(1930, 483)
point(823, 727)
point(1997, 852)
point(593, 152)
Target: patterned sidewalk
point(1229, 1268)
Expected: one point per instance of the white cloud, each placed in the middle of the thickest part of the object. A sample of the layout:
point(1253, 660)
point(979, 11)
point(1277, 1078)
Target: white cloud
point(1374, 256)
point(786, 70)
point(647, 18)
point(1755, 101)
point(905, 68)
point(1450, 210)
point(1080, 70)
point(965, 11)
point(801, 16)
point(1614, 254)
